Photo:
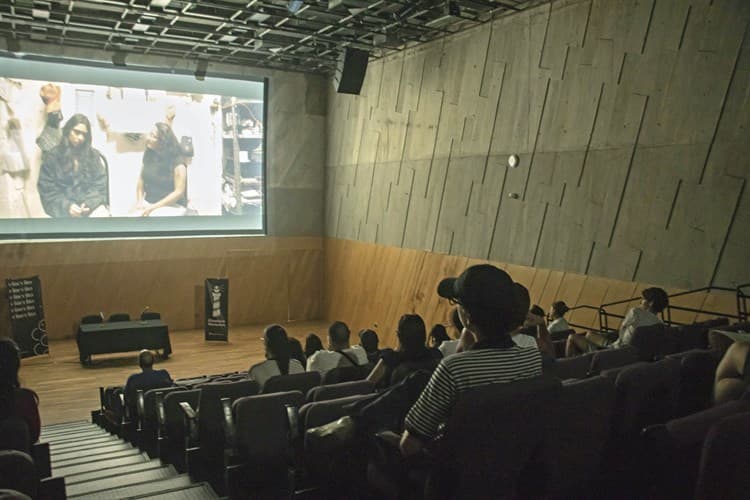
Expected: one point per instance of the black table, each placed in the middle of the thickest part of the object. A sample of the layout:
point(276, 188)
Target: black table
point(122, 336)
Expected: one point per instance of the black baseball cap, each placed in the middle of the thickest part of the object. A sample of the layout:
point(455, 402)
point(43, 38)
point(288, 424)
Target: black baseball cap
point(483, 285)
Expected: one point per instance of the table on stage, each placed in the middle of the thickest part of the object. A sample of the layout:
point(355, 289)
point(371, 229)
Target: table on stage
point(122, 336)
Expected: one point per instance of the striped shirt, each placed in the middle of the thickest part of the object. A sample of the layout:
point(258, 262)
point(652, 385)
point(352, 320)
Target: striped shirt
point(463, 371)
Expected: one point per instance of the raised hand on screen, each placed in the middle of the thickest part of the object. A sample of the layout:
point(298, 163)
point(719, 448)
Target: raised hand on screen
point(50, 94)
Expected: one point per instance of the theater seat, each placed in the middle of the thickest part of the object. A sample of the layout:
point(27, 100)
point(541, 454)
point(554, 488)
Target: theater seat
point(725, 460)
point(609, 359)
point(653, 342)
point(301, 382)
point(571, 368)
point(345, 374)
point(342, 390)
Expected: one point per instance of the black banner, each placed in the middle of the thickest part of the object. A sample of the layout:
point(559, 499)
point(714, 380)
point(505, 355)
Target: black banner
point(27, 315)
point(217, 309)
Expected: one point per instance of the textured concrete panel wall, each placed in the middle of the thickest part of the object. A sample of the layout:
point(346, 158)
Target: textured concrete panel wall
point(631, 120)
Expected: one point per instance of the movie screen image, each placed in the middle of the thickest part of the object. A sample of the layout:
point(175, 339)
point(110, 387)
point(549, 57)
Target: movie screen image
point(93, 150)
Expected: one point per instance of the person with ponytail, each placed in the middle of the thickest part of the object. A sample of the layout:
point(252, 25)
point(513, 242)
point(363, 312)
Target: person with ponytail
point(16, 401)
point(279, 359)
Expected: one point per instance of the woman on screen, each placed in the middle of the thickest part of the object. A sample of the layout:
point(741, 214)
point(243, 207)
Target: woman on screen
point(73, 178)
point(162, 185)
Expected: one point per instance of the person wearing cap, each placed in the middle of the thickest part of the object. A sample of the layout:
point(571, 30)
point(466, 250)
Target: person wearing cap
point(491, 306)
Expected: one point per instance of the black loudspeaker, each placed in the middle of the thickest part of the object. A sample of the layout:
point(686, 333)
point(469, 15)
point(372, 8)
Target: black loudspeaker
point(350, 72)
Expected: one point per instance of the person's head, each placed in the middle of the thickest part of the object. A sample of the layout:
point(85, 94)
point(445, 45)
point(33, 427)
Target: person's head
point(558, 309)
point(295, 350)
point(146, 360)
point(162, 140)
point(338, 336)
point(369, 340)
point(654, 299)
point(535, 316)
point(313, 344)
point(438, 335)
point(411, 333)
point(10, 362)
point(488, 299)
point(277, 347)
point(76, 133)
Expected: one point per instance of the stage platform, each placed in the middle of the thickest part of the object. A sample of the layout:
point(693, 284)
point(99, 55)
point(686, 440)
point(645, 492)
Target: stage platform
point(68, 391)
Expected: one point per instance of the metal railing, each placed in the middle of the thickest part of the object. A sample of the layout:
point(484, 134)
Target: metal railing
point(742, 293)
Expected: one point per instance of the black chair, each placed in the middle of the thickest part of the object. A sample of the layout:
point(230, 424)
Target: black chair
point(607, 359)
point(653, 342)
point(119, 317)
point(259, 442)
point(91, 319)
point(301, 382)
point(558, 336)
point(147, 432)
point(570, 368)
point(146, 315)
point(725, 460)
point(697, 372)
point(478, 458)
point(583, 421)
point(205, 424)
point(342, 390)
point(172, 430)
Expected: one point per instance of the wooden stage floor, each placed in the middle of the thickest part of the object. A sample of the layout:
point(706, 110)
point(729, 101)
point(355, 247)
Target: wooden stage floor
point(68, 391)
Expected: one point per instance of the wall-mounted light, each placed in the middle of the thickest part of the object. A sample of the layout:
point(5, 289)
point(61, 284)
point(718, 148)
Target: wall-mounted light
point(513, 161)
point(513, 196)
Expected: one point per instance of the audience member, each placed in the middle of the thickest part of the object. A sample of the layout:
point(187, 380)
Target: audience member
point(654, 301)
point(313, 344)
point(733, 373)
point(339, 352)
point(438, 335)
point(558, 323)
point(534, 329)
point(412, 354)
point(490, 308)
point(16, 401)
point(147, 379)
point(449, 347)
point(369, 340)
point(295, 347)
point(278, 357)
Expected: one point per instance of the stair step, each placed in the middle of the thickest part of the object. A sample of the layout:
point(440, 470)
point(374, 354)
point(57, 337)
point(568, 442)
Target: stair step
point(136, 490)
point(73, 437)
point(127, 479)
point(113, 471)
point(197, 491)
point(62, 428)
point(57, 456)
point(56, 464)
point(89, 443)
point(99, 464)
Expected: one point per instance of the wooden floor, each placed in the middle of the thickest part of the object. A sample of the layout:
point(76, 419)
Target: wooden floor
point(68, 391)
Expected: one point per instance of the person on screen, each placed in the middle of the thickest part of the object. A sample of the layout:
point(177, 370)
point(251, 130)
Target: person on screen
point(162, 185)
point(73, 178)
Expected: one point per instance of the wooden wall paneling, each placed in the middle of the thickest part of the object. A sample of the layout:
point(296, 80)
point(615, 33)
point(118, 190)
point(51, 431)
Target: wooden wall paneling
point(592, 291)
point(305, 284)
point(538, 284)
point(620, 290)
point(258, 288)
point(551, 290)
point(719, 301)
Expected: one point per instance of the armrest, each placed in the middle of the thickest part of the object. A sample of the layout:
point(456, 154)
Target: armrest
point(140, 403)
point(292, 415)
point(161, 414)
point(40, 454)
point(191, 424)
point(389, 439)
point(230, 435)
point(101, 398)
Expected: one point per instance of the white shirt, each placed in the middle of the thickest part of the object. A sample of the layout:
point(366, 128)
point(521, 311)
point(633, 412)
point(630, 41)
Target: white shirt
point(322, 361)
point(558, 325)
point(448, 347)
point(635, 318)
point(261, 372)
point(523, 340)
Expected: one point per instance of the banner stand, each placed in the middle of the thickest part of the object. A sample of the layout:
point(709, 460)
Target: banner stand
point(217, 309)
point(27, 315)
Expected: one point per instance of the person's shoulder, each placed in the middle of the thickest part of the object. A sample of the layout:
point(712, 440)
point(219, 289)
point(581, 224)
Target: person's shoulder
point(295, 366)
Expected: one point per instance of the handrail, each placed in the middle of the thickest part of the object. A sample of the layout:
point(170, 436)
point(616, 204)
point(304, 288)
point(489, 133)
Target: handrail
point(742, 299)
point(583, 306)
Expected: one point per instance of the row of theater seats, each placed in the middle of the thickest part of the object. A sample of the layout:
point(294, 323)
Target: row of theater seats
point(221, 430)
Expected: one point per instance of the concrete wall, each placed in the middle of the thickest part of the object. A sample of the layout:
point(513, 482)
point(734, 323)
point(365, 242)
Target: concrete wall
point(296, 131)
point(630, 119)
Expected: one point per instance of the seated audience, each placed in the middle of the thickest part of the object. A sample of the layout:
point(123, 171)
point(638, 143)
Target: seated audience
point(295, 347)
point(278, 357)
point(313, 344)
point(557, 312)
point(369, 340)
point(490, 306)
point(438, 335)
point(733, 373)
point(449, 347)
point(147, 379)
point(534, 330)
point(654, 301)
point(16, 401)
point(412, 354)
point(339, 353)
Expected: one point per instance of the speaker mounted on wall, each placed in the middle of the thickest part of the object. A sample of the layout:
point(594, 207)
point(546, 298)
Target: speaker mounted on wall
point(351, 70)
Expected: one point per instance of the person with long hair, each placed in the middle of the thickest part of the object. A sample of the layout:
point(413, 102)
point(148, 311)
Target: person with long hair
point(313, 344)
point(16, 401)
point(73, 178)
point(162, 185)
point(279, 359)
